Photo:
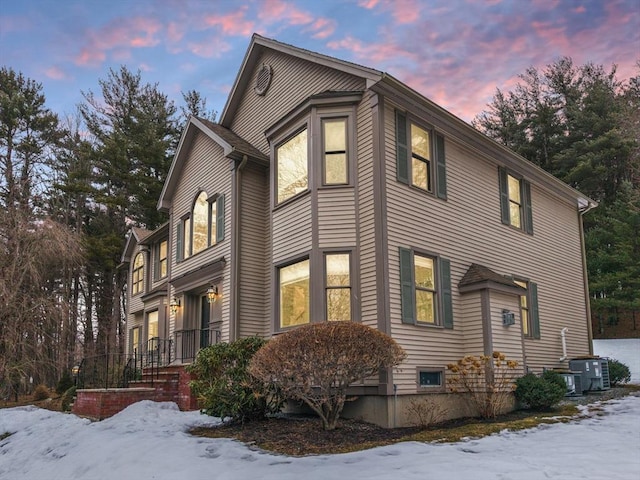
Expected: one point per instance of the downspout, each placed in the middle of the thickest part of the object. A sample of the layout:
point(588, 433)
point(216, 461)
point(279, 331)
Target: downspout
point(234, 287)
point(585, 277)
point(563, 334)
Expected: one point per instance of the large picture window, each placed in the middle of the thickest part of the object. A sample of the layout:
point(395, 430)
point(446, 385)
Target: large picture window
point(293, 285)
point(202, 228)
point(137, 274)
point(292, 167)
point(338, 286)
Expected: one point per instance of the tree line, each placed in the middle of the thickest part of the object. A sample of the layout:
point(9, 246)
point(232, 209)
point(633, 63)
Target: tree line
point(70, 189)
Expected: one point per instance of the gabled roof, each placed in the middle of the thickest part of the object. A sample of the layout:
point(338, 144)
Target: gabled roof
point(479, 277)
point(388, 86)
point(136, 236)
point(233, 145)
point(259, 44)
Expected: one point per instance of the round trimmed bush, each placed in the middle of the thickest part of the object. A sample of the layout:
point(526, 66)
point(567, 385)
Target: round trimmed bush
point(619, 373)
point(540, 392)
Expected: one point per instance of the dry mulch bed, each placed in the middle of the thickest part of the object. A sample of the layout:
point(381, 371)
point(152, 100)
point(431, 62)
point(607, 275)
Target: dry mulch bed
point(304, 435)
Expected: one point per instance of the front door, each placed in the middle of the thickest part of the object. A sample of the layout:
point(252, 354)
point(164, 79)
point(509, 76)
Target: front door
point(205, 317)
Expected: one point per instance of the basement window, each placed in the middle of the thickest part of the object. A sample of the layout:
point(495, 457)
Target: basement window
point(431, 379)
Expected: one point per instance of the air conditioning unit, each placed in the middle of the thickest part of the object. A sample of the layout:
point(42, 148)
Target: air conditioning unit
point(593, 376)
point(508, 318)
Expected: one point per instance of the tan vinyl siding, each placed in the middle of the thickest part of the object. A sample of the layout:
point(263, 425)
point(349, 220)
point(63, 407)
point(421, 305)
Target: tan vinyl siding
point(254, 279)
point(206, 169)
point(506, 340)
point(467, 229)
point(292, 229)
point(336, 218)
point(469, 320)
point(368, 285)
point(294, 80)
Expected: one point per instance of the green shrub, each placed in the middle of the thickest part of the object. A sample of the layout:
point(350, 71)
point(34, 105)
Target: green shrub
point(317, 362)
point(64, 384)
point(41, 393)
point(67, 399)
point(223, 386)
point(619, 373)
point(540, 392)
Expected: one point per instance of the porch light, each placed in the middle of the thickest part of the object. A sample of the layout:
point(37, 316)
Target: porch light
point(174, 305)
point(212, 293)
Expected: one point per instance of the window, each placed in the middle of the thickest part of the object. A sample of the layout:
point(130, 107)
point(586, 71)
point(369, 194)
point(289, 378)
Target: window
point(430, 378)
point(338, 286)
point(135, 340)
point(334, 132)
point(293, 285)
point(200, 223)
point(420, 157)
point(292, 167)
point(137, 275)
point(529, 309)
point(160, 270)
point(201, 229)
point(425, 289)
point(515, 201)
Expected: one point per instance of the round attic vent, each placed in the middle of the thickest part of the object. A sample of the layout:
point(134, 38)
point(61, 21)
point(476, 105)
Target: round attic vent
point(263, 79)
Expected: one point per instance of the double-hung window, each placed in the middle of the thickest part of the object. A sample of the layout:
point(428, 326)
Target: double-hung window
point(338, 286)
point(529, 309)
point(515, 201)
point(161, 260)
point(292, 167)
point(137, 274)
point(420, 156)
point(335, 164)
point(425, 289)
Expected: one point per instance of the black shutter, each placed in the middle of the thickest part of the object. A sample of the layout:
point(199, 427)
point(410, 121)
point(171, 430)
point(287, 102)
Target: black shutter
point(179, 241)
point(504, 195)
point(533, 310)
point(526, 200)
point(406, 287)
point(402, 152)
point(220, 218)
point(445, 286)
point(441, 173)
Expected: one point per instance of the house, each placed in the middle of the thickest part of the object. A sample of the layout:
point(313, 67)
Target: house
point(332, 191)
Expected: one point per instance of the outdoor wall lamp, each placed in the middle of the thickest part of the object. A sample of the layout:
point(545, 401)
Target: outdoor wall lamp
point(174, 305)
point(212, 293)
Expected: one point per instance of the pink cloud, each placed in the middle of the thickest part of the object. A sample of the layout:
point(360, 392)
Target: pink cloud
point(209, 48)
point(56, 73)
point(119, 34)
point(232, 23)
point(368, 4)
point(322, 28)
point(371, 52)
point(403, 11)
point(279, 10)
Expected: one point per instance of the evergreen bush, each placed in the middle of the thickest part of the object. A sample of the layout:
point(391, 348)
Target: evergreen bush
point(540, 392)
point(619, 373)
point(224, 387)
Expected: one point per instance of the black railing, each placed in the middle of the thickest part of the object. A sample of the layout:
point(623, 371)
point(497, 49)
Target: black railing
point(116, 370)
point(189, 342)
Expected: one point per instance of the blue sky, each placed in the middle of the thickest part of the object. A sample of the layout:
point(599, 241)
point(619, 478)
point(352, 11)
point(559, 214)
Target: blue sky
point(456, 52)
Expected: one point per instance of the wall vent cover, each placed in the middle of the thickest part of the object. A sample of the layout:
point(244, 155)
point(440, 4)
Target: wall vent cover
point(263, 79)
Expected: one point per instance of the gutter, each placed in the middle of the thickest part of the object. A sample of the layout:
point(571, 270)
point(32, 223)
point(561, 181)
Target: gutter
point(234, 281)
point(583, 208)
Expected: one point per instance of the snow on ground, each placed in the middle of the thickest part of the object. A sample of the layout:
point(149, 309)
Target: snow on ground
point(625, 350)
point(149, 441)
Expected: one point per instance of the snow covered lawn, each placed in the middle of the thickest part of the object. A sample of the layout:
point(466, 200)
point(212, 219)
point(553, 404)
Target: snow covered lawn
point(149, 441)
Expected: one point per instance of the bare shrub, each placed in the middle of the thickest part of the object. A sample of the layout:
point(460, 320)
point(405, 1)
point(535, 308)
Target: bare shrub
point(316, 363)
point(424, 412)
point(41, 393)
point(487, 382)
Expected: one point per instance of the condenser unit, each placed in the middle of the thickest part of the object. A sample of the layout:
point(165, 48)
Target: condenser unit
point(593, 372)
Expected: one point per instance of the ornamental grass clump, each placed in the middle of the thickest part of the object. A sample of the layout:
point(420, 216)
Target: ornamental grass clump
point(316, 363)
point(487, 382)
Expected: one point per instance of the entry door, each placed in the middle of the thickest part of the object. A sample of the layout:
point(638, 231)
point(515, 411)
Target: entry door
point(205, 317)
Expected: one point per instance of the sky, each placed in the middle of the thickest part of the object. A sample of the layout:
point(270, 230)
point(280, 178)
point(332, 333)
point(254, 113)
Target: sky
point(455, 52)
